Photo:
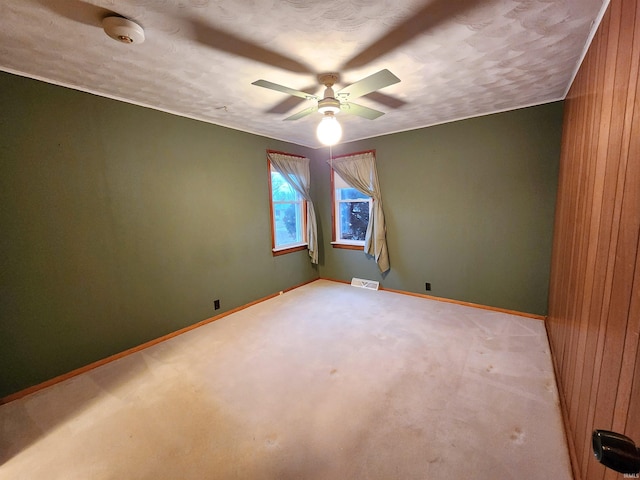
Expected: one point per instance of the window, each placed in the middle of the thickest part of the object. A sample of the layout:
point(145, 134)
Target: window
point(350, 214)
point(288, 216)
point(359, 170)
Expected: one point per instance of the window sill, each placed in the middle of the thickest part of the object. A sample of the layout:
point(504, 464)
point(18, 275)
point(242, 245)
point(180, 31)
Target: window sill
point(289, 249)
point(347, 246)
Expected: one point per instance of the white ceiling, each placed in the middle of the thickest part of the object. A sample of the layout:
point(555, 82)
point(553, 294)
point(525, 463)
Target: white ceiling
point(455, 58)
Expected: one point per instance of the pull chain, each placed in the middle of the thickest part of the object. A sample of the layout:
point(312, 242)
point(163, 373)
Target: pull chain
point(331, 156)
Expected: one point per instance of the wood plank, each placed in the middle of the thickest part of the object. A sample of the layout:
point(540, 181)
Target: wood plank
point(631, 224)
point(622, 258)
point(601, 234)
point(593, 293)
point(594, 310)
point(632, 428)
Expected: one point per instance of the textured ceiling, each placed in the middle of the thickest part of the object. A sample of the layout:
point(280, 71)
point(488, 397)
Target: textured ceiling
point(455, 58)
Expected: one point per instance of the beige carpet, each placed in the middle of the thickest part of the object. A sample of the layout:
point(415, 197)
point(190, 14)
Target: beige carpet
point(327, 381)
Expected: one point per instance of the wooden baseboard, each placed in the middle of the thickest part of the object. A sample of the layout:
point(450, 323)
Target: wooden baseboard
point(449, 300)
point(104, 361)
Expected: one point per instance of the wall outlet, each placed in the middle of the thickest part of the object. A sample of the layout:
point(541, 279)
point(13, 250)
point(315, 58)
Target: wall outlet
point(427, 287)
point(216, 304)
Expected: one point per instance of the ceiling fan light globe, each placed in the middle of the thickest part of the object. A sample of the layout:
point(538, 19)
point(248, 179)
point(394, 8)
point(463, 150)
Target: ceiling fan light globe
point(329, 131)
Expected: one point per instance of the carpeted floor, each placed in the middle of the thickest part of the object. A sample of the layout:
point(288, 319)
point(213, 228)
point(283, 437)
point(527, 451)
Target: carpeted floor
point(327, 381)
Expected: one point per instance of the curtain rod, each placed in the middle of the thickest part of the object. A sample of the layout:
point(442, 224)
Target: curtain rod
point(356, 153)
point(285, 153)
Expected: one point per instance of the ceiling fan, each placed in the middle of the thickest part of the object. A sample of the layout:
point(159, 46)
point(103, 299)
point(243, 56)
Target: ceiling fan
point(334, 102)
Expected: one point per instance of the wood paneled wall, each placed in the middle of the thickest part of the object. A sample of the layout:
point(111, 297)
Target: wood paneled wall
point(594, 301)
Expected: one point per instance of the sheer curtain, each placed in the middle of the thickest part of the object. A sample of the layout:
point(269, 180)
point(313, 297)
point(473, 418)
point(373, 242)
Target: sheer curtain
point(295, 171)
point(359, 171)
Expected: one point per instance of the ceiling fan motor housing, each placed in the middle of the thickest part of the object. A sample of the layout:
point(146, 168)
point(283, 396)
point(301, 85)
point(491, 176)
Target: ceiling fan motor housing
point(328, 104)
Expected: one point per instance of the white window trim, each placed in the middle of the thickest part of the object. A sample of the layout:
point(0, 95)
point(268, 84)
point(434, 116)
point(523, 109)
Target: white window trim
point(289, 246)
point(337, 183)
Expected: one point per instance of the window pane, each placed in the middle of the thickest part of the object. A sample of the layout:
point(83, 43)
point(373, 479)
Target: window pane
point(281, 190)
point(350, 194)
point(354, 218)
point(288, 223)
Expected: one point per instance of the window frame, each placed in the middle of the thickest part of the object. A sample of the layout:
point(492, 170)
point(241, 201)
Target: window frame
point(289, 248)
point(335, 218)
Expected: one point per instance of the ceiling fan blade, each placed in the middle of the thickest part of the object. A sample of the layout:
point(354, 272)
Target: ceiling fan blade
point(360, 110)
point(290, 103)
point(432, 14)
point(303, 113)
point(374, 82)
point(227, 42)
point(280, 88)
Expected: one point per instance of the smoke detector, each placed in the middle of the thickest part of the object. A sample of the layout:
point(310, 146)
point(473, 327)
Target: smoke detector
point(123, 30)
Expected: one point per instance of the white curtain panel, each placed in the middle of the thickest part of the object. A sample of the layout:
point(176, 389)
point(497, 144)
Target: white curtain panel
point(295, 171)
point(360, 172)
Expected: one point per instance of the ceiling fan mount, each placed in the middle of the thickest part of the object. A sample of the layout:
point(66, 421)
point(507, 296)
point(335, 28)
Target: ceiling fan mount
point(328, 103)
point(332, 102)
point(328, 79)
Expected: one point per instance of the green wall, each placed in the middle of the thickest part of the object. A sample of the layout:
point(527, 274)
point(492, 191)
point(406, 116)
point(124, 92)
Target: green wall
point(121, 224)
point(469, 207)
